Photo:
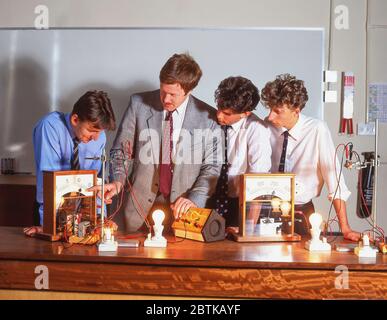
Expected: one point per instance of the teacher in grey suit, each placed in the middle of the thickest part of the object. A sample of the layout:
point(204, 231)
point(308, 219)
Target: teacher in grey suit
point(165, 154)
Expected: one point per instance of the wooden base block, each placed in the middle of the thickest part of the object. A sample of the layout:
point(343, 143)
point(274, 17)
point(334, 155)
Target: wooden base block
point(47, 236)
point(239, 238)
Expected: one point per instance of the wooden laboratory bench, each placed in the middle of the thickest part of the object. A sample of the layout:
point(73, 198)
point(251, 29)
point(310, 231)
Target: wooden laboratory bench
point(224, 269)
point(17, 199)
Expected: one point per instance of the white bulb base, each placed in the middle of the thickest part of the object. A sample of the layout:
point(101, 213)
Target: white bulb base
point(159, 242)
point(318, 245)
point(365, 250)
point(108, 246)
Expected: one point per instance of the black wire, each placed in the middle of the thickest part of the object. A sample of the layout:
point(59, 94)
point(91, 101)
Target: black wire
point(367, 219)
point(376, 230)
point(337, 188)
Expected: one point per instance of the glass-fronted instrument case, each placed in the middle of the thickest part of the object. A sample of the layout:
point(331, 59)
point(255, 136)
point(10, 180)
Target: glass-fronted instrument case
point(266, 208)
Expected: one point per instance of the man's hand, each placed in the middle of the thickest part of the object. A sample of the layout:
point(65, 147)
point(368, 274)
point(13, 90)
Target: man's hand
point(31, 231)
point(341, 210)
point(181, 206)
point(352, 235)
point(111, 189)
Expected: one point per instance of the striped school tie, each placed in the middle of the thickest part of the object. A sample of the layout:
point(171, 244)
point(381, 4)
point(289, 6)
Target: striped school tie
point(75, 157)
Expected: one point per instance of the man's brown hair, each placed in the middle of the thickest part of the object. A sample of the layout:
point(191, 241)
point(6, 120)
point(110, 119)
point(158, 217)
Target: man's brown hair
point(95, 107)
point(181, 69)
point(285, 89)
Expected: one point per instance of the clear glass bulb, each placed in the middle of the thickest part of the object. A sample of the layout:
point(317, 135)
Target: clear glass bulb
point(275, 203)
point(158, 217)
point(315, 220)
point(285, 208)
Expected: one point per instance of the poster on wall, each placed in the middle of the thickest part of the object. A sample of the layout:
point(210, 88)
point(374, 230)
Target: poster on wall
point(377, 102)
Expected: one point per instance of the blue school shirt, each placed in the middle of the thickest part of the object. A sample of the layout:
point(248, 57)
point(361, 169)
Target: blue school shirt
point(53, 147)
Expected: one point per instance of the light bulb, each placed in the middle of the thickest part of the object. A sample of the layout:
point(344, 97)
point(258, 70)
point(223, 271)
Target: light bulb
point(158, 217)
point(366, 240)
point(315, 220)
point(108, 233)
point(315, 243)
point(60, 201)
point(285, 208)
point(275, 203)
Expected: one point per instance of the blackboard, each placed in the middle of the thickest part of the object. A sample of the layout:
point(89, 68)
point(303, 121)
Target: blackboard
point(46, 70)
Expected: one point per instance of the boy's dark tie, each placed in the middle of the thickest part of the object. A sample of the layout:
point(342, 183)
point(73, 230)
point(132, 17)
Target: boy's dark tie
point(281, 167)
point(222, 205)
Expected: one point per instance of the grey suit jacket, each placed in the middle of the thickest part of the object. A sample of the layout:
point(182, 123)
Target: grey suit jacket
point(197, 162)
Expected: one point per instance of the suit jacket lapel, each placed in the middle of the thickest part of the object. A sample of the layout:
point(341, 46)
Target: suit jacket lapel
point(154, 121)
point(190, 121)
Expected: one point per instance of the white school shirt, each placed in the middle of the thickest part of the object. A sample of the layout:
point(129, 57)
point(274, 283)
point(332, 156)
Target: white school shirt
point(177, 118)
point(310, 155)
point(248, 150)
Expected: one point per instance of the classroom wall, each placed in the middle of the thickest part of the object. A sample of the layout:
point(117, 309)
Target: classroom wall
point(348, 47)
point(377, 72)
point(360, 49)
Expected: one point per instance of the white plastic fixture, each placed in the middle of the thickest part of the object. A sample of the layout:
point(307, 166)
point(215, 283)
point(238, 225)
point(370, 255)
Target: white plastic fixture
point(365, 250)
point(315, 244)
point(108, 242)
point(157, 240)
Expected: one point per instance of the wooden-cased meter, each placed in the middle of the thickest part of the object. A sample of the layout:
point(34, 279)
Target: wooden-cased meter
point(68, 208)
point(266, 208)
point(200, 224)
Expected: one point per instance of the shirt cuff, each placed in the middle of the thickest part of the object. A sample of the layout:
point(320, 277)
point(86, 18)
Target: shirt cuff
point(198, 199)
point(342, 195)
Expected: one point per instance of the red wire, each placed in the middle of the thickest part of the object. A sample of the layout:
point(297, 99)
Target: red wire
point(335, 218)
point(132, 192)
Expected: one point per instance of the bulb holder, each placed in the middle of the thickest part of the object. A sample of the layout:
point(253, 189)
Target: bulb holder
point(108, 246)
point(108, 243)
point(156, 241)
point(366, 252)
point(318, 245)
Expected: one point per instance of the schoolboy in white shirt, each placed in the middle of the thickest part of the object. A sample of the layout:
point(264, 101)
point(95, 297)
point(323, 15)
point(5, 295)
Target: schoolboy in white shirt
point(304, 146)
point(247, 146)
